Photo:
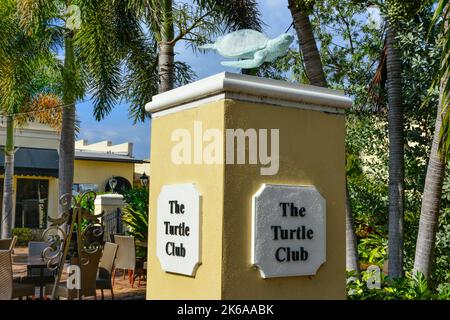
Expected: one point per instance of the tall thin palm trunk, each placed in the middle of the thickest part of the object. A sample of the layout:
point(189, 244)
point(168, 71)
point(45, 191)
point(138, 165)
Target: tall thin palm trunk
point(311, 55)
point(396, 156)
point(166, 50)
point(431, 199)
point(8, 185)
point(352, 261)
point(316, 75)
point(67, 143)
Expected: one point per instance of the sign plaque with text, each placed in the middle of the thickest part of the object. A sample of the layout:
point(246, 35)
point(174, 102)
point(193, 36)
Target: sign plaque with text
point(289, 230)
point(178, 229)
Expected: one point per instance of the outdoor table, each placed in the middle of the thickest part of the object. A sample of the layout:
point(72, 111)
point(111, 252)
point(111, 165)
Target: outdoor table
point(36, 263)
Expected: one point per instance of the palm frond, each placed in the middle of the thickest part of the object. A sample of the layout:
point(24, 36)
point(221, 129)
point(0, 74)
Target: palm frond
point(376, 90)
point(240, 14)
point(443, 10)
point(97, 45)
point(27, 71)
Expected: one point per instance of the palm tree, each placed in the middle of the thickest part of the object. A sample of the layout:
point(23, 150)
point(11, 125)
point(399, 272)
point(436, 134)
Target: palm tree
point(308, 46)
point(429, 214)
point(316, 75)
point(93, 36)
point(396, 154)
point(154, 69)
point(110, 33)
point(23, 80)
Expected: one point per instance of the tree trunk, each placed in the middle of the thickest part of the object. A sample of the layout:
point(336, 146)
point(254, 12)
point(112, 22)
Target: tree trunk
point(431, 199)
point(166, 66)
point(352, 258)
point(67, 143)
point(308, 46)
point(316, 76)
point(8, 186)
point(396, 156)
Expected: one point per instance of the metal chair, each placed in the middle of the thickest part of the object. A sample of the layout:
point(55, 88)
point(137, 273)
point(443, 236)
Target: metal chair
point(126, 257)
point(8, 289)
point(106, 267)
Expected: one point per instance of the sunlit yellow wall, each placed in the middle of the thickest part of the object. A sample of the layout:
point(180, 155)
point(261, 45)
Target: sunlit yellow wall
point(207, 283)
point(99, 172)
point(312, 152)
point(96, 172)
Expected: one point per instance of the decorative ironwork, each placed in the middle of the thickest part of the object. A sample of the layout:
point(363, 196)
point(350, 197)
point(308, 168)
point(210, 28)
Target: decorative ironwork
point(77, 220)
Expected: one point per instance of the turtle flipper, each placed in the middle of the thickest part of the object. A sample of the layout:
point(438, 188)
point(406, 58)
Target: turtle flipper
point(257, 60)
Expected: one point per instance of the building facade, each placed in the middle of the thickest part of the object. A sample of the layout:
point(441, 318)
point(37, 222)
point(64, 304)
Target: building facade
point(36, 171)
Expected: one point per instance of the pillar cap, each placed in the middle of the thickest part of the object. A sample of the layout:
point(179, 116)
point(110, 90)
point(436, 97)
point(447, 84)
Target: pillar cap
point(250, 88)
point(109, 199)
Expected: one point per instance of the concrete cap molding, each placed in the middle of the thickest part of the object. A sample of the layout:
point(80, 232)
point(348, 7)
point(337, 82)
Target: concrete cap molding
point(227, 82)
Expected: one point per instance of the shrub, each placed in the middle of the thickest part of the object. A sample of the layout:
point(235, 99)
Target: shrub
point(135, 215)
point(24, 235)
point(406, 288)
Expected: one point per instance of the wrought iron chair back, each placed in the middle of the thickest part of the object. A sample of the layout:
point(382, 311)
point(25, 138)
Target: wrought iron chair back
point(89, 237)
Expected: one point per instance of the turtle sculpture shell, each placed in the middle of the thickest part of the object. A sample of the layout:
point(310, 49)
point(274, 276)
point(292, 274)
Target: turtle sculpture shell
point(241, 43)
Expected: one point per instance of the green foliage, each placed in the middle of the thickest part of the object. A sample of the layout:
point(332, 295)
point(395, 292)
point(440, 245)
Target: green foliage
point(407, 288)
point(87, 203)
point(400, 10)
point(442, 11)
point(137, 198)
point(25, 63)
point(194, 23)
point(24, 235)
point(373, 249)
point(350, 48)
point(135, 215)
point(441, 269)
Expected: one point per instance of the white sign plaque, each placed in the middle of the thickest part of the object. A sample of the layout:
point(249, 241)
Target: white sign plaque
point(178, 229)
point(289, 230)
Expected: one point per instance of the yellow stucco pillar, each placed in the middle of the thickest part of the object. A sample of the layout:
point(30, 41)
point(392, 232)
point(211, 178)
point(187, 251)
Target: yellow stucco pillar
point(290, 152)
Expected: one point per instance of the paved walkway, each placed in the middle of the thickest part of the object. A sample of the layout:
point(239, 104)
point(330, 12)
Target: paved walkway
point(122, 287)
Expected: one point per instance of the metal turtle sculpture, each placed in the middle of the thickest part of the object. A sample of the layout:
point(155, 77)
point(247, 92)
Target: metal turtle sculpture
point(252, 46)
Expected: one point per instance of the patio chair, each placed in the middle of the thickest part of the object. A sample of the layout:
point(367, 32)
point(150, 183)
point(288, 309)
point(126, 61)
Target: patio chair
point(140, 272)
point(13, 244)
point(105, 268)
point(8, 244)
point(126, 257)
point(88, 278)
point(8, 289)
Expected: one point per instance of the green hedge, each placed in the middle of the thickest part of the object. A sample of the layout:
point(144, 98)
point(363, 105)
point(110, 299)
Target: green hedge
point(25, 235)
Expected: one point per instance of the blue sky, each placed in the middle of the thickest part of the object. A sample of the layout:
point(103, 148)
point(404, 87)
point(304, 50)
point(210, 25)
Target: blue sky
point(118, 128)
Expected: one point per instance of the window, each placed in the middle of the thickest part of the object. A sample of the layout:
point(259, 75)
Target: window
point(78, 188)
point(31, 203)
